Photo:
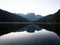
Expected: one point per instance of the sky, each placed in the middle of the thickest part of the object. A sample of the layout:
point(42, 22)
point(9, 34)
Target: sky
point(41, 7)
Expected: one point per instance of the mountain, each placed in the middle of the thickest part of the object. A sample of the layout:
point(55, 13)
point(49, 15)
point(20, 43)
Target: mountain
point(51, 22)
point(30, 16)
point(11, 19)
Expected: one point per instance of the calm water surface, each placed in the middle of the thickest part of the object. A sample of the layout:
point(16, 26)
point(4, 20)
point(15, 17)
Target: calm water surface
point(42, 37)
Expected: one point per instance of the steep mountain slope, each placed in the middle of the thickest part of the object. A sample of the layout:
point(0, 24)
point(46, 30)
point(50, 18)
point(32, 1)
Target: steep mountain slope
point(10, 17)
point(51, 22)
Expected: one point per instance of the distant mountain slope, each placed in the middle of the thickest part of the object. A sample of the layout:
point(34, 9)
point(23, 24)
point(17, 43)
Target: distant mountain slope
point(51, 22)
point(10, 17)
point(30, 16)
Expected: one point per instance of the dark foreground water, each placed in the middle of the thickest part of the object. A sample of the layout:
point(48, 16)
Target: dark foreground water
point(42, 37)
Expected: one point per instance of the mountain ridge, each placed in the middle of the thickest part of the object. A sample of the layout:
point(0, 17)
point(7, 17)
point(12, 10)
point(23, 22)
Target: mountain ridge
point(30, 16)
point(51, 22)
point(6, 16)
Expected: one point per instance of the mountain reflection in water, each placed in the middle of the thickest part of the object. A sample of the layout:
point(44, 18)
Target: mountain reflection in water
point(42, 37)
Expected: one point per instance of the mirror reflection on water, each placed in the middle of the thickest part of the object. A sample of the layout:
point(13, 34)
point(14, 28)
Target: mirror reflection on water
point(26, 37)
